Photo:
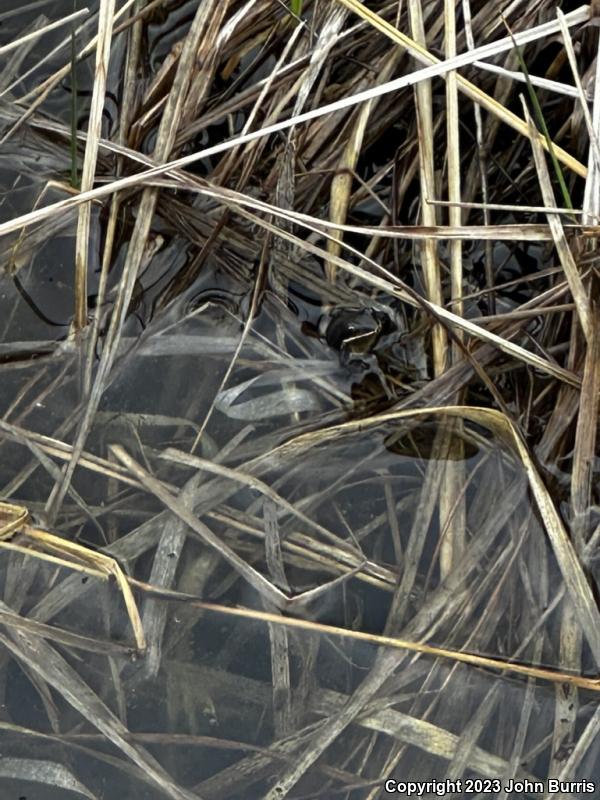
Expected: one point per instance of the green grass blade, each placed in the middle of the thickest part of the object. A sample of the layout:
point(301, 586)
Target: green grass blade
point(541, 122)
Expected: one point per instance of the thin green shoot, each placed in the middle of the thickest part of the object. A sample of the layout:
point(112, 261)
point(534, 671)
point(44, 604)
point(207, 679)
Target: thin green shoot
point(296, 7)
point(541, 122)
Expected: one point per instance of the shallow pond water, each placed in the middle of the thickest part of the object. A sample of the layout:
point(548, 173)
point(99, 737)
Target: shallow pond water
point(268, 436)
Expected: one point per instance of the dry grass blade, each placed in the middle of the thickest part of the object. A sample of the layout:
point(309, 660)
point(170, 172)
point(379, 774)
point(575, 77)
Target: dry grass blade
point(323, 266)
point(129, 105)
point(62, 451)
point(41, 31)
point(429, 257)
point(422, 734)
point(580, 295)
point(579, 92)
point(540, 83)
point(44, 661)
point(390, 284)
point(454, 161)
point(44, 89)
point(585, 439)
point(591, 190)
point(452, 505)
point(14, 519)
point(341, 185)
point(475, 94)
point(44, 772)
point(437, 68)
point(585, 741)
point(205, 465)
point(524, 209)
point(264, 587)
point(104, 37)
point(568, 703)
point(53, 634)
point(202, 33)
point(573, 574)
point(592, 185)
point(554, 676)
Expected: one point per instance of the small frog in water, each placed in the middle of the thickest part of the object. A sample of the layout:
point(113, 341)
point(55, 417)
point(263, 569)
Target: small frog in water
point(356, 334)
point(375, 342)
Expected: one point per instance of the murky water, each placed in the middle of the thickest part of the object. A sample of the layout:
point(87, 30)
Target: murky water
point(337, 520)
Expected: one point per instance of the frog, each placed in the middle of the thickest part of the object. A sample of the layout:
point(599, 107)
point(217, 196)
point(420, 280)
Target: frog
point(356, 333)
point(353, 332)
point(375, 341)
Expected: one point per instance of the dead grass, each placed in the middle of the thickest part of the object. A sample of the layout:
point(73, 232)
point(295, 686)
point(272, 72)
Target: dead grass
point(328, 236)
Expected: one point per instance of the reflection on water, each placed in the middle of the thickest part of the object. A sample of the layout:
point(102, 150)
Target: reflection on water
point(359, 499)
point(267, 434)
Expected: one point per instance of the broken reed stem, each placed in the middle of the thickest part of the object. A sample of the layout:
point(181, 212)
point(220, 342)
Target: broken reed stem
point(14, 520)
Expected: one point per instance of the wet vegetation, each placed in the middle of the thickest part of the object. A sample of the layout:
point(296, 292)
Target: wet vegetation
point(298, 401)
